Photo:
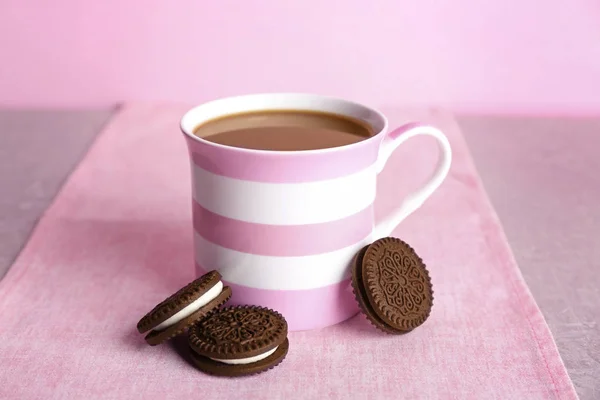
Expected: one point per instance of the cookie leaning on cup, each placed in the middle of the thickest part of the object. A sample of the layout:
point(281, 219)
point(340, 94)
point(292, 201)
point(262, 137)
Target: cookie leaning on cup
point(178, 312)
point(392, 285)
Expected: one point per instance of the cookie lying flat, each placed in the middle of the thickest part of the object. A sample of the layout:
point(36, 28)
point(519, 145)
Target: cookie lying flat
point(239, 340)
point(179, 311)
point(392, 285)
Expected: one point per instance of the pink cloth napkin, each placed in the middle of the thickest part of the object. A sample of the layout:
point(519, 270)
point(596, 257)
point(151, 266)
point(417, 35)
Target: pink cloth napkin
point(117, 240)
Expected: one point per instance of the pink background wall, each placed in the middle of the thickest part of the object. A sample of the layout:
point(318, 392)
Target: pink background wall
point(481, 55)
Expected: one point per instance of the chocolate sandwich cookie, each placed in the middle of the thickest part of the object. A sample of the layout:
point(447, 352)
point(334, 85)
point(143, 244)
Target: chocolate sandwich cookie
point(392, 285)
point(239, 340)
point(179, 311)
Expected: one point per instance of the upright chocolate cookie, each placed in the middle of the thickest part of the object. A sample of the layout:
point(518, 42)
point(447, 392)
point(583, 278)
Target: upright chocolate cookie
point(175, 314)
point(392, 285)
point(239, 340)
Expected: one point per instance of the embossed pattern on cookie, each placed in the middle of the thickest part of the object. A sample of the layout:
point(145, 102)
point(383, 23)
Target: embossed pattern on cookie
point(392, 285)
point(239, 340)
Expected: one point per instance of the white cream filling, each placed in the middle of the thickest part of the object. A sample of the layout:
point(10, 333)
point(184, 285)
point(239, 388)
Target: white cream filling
point(194, 306)
point(247, 360)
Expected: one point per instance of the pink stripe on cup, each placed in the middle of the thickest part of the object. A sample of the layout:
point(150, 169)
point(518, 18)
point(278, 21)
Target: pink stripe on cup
point(303, 309)
point(282, 240)
point(283, 167)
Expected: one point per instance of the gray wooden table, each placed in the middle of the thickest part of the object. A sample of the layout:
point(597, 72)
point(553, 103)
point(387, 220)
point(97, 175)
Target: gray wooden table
point(542, 175)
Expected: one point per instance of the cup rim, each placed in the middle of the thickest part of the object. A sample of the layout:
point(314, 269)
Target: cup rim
point(187, 126)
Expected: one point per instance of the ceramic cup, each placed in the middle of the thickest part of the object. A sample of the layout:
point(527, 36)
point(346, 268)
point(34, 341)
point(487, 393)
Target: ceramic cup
point(282, 227)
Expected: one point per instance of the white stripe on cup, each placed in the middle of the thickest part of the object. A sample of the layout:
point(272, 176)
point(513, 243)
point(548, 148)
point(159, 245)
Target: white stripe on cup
point(277, 273)
point(284, 203)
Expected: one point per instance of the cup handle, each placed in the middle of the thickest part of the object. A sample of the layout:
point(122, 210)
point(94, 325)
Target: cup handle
point(414, 200)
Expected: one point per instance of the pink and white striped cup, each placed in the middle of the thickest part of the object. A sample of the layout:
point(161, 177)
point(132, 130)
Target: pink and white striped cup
point(282, 227)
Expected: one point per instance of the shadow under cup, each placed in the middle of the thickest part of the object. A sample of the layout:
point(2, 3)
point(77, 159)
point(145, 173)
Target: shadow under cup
point(283, 227)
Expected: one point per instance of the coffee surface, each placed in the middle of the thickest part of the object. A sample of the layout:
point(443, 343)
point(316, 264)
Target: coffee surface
point(276, 130)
